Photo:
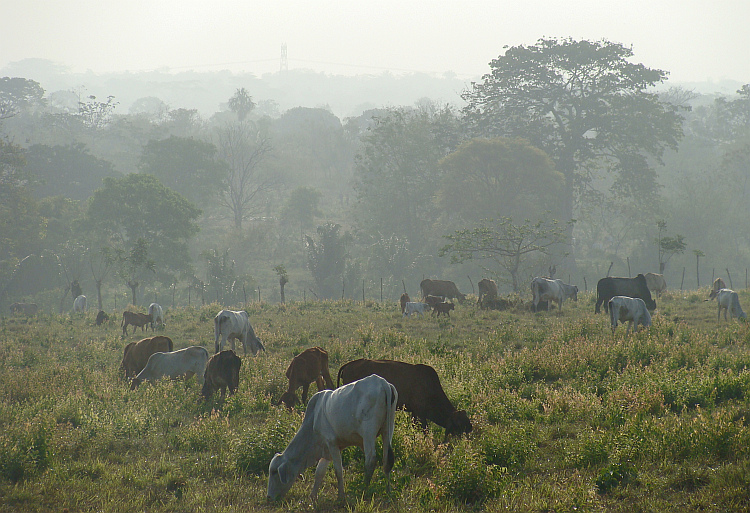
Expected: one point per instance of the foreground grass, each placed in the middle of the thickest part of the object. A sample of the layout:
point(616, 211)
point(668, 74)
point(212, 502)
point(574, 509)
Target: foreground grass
point(567, 417)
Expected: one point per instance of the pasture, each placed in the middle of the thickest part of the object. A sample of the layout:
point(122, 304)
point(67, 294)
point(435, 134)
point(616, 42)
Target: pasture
point(567, 417)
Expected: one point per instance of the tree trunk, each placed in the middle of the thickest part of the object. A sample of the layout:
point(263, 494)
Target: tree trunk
point(99, 293)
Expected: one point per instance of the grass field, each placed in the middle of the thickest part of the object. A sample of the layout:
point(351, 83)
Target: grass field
point(566, 416)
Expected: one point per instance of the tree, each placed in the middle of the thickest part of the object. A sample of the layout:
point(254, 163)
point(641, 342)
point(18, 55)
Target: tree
point(327, 258)
point(101, 263)
point(698, 254)
point(584, 104)
point(241, 103)
point(668, 246)
point(507, 177)
point(511, 247)
point(244, 147)
point(96, 114)
point(302, 207)
point(139, 207)
point(134, 265)
point(283, 275)
point(17, 94)
point(188, 166)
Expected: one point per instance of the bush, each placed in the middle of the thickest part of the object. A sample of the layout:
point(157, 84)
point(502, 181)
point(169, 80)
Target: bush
point(465, 478)
point(255, 448)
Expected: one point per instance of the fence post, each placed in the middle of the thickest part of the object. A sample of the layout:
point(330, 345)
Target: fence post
point(585, 285)
point(683, 278)
point(381, 290)
point(363, 291)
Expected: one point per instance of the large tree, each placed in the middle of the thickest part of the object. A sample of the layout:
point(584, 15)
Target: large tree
point(17, 94)
point(139, 207)
point(586, 105)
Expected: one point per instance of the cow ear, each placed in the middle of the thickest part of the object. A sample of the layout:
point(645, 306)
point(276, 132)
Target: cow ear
point(284, 474)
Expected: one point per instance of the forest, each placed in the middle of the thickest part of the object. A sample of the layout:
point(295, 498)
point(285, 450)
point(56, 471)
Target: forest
point(567, 154)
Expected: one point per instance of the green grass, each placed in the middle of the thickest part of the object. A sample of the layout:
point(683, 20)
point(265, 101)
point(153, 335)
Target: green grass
point(567, 417)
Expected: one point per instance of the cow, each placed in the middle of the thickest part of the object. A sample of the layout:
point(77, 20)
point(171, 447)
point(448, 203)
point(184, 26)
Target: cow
point(411, 308)
point(443, 308)
point(487, 290)
point(403, 300)
point(433, 300)
point(187, 362)
point(633, 310)
point(101, 317)
point(656, 283)
point(79, 304)
point(157, 315)
point(354, 414)
point(729, 301)
point(27, 309)
point(136, 319)
point(444, 288)
point(546, 289)
point(136, 354)
point(419, 389)
point(717, 285)
point(222, 372)
point(609, 287)
point(311, 365)
point(229, 324)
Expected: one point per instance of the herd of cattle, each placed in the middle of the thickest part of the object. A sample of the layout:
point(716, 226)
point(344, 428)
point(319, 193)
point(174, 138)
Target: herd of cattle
point(362, 404)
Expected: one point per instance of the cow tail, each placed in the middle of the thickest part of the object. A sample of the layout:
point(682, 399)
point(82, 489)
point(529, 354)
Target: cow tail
point(216, 329)
point(338, 377)
point(389, 458)
point(612, 319)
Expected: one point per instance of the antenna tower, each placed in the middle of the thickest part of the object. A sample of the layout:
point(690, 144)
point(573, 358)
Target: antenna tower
point(284, 66)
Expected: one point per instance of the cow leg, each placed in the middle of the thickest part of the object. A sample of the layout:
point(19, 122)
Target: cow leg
point(223, 392)
point(305, 387)
point(339, 468)
point(368, 444)
point(320, 473)
point(319, 382)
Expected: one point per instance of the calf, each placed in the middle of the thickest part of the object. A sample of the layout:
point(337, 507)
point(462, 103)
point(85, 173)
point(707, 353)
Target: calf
point(136, 354)
point(79, 304)
point(633, 310)
point(136, 319)
point(404, 299)
point(419, 389)
point(222, 372)
point(354, 414)
point(729, 301)
point(308, 366)
point(444, 308)
point(433, 300)
point(419, 308)
point(187, 362)
point(157, 315)
point(101, 317)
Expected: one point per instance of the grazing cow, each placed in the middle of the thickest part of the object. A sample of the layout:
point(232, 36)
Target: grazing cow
point(609, 287)
point(419, 391)
point(633, 310)
point(656, 283)
point(101, 317)
point(717, 285)
point(729, 301)
point(79, 304)
point(136, 319)
point(443, 308)
point(354, 414)
point(222, 372)
point(546, 289)
point(157, 315)
point(433, 300)
point(410, 308)
point(232, 325)
point(487, 290)
point(311, 365)
point(28, 309)
point(136, 354)
point(404, 299)
point(444, 288)
point(187, 362)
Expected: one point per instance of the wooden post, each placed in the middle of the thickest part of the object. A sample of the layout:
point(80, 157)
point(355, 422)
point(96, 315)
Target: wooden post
point(730, 279)
point(115, 300)
point(304, 296)
point(472, 284)
point(343, 284)
point(381, 290)
point(244, 293)
point(258, 294)
point(610, 267)
point(585, 285)
point(174, 285)
point(683, 278)
point(628, 260)
point(363, 291)
point(188, 295)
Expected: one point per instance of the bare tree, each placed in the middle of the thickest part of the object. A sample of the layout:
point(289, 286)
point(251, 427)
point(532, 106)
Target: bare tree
point(244, 147)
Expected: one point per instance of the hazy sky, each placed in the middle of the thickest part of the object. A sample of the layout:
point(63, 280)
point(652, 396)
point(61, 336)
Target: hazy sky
point(695, 40)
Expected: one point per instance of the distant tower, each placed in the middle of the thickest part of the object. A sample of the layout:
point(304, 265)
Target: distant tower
point(284, 62)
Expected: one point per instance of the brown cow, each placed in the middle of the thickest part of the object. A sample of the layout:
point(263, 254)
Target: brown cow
point(101, 317)
point(136, 354)
point(487, 290)
point(404, 299)
point(433, 300)
point(443, 308)
point(308, 366)
point(222, 372)
point(440, 288)
point(419, 391)
point(28, 309)
point(138, 320)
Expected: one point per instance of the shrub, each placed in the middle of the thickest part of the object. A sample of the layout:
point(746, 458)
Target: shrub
point(255, 448)
point(25, 451)
point(465, 478)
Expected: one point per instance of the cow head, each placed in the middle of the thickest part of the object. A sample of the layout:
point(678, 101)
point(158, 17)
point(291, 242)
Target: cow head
point(255, 345)
point(458, 423)
point(575, 293)
point(280, 477)
point(289, 399)
point(650, 303)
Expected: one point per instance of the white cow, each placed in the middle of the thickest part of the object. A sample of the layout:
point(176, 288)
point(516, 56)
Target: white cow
point(79, 304)
point(717, 285)
point(730, 302)
point(354, 414)
point(185, 362)
point(546, 289)
point(656, 283)
point(157, 315)
point(232, 325)
point(411, 307)
point(631, 309)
